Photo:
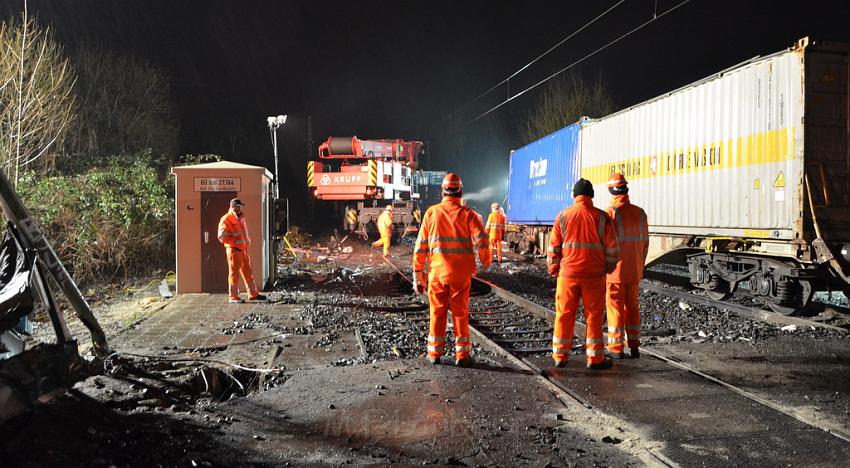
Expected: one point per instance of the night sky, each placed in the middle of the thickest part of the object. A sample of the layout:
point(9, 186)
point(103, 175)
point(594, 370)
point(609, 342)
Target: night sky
point(402, 69)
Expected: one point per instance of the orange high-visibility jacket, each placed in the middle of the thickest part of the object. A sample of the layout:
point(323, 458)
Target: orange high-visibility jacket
point(448, 237)
point(632, 238)
point(583, 243)
point(233, 231)
point(385, 222)
point(495, 226)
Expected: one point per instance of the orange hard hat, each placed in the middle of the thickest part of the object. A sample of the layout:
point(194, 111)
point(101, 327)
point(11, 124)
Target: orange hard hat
point(452, 185)
point(617, 180)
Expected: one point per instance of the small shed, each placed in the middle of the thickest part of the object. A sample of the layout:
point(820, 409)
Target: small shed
point(202, 196)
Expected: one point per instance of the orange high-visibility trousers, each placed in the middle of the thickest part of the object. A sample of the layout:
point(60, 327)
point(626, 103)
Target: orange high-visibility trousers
point(591, 291)
point(496, 246)
point(443, 297)
point(623, 316)
point(385, 240)
point(239, 263)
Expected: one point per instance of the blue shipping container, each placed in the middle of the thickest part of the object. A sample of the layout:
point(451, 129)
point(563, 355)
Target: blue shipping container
point(541, 177)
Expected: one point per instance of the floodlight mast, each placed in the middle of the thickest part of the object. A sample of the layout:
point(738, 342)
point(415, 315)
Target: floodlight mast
point(274, 123)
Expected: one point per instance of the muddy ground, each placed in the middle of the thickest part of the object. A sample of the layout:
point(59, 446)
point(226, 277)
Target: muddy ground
point(330, 372)
point(803, 370)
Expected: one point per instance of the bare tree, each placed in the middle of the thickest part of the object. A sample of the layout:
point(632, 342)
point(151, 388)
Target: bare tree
point(36, 96)
point(123, 106)
point(563, 102)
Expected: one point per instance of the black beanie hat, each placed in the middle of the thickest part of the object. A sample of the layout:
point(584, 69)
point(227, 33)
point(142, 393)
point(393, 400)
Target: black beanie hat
point(583, 187)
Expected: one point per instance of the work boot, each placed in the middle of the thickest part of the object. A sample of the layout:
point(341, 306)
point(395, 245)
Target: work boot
point(616, 356)
point(605, 364)
point(561, 364)
point(634, 352)
point(434, 360)
point(259, 297)
point(236, 300)
point(465, 362)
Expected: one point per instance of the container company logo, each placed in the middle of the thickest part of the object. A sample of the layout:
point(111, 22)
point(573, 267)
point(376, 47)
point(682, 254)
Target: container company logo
point(325, 180)
point(538, 171)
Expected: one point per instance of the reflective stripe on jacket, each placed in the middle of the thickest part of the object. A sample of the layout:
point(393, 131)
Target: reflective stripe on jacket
point(632, 237)
point(448, 237)
point(385, 222)
point(583, 243)
point(495, 226)
point(233, 231)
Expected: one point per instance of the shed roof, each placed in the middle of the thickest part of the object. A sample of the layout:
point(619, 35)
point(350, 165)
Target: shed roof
point(223, 165)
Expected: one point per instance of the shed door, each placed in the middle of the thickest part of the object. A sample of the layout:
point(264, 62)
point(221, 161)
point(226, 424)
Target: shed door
point(213, 258)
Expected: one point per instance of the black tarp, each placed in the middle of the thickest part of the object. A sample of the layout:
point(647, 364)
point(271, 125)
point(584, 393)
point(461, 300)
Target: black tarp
point(16, 268)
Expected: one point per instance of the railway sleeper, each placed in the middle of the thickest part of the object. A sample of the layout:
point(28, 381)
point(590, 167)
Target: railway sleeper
point(524, 340)
point(518, 332)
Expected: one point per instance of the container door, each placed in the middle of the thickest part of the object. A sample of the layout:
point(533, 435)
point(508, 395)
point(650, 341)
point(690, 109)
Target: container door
point(826, 137)
point(213, 258)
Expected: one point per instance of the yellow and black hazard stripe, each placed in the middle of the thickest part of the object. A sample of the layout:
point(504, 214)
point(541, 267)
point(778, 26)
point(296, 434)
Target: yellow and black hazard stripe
point(351, 217)
point(373, 173)
point(310, 174)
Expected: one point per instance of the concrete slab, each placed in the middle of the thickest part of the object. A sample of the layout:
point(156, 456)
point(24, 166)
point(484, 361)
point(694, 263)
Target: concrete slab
point(206, 322)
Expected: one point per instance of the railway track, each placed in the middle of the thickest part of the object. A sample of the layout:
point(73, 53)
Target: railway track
point(678, 287)
point(703, 419)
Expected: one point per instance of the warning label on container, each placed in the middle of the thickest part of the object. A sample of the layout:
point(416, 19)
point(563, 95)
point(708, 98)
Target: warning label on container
point(218, 184)
point(780, 180)
point(757, 184)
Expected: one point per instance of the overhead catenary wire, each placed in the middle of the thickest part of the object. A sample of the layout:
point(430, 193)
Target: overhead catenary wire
point(553, 75)
point(536, 59)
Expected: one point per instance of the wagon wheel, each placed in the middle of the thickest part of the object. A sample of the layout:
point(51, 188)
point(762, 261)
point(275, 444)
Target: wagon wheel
point(782, 309)
point(717, 288)
point(787, 298)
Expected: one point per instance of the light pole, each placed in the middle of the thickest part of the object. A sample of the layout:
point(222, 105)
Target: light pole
point(274, 123)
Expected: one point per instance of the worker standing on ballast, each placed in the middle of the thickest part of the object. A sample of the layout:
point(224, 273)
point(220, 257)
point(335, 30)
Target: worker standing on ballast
point(448, 237)
point(495, 227)
point(582, 249)
point(385, 228)
point(233, 233)
point(622, 283)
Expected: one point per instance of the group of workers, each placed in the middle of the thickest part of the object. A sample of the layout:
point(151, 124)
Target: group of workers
point(597, 256)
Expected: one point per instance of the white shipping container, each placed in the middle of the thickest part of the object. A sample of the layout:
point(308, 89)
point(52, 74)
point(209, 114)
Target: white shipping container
point(720, 157)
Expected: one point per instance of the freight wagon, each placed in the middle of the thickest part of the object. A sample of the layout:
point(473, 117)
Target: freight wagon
point(745, 175)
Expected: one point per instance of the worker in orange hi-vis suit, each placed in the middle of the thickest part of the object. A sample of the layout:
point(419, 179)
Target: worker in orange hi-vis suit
point(582, 249)
point(233, 233)
point(495, 227)
point(448, 238)
point(385, 228)
point(622, 283)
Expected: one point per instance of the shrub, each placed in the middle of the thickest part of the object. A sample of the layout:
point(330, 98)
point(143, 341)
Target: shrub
point(107, 223)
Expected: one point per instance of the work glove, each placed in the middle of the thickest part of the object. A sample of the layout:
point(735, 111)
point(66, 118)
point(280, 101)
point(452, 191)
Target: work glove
point(554, 270)
point(420, 282)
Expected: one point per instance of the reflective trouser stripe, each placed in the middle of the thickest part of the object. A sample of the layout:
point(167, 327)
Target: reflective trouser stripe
point(568, 294)
point(440, 339)
point(442, 298)
point(558, 340)
point(560, 351)
point(239, 264)
point(623, 315)
point(595, 352)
